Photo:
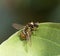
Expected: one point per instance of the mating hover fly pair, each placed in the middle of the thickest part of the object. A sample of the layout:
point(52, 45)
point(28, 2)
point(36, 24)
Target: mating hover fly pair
point(27, 30)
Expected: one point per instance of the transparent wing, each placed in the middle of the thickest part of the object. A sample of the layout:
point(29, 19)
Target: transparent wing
point(17, 26)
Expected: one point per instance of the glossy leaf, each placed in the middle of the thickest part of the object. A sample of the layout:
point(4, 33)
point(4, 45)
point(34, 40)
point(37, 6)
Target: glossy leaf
point(45, 41)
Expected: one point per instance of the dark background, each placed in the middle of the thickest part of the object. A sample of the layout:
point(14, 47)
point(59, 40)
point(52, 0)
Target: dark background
point(24, 11)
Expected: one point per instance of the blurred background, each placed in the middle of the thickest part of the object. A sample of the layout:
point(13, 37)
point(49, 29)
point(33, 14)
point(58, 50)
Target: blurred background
point(24, 11)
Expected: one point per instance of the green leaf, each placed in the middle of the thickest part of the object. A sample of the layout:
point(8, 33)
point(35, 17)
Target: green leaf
point(45, 41)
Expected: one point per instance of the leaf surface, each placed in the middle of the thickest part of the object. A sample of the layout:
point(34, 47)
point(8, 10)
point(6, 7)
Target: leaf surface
point(45, 41)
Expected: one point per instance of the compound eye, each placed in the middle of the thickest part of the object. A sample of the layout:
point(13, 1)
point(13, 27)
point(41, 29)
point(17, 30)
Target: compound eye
point(36, 25)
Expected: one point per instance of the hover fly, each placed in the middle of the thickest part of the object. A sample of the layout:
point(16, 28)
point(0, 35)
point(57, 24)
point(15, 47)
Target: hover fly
point(27, 30)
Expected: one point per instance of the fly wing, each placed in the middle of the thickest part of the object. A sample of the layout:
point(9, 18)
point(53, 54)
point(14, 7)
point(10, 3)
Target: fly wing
point(17, 26)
